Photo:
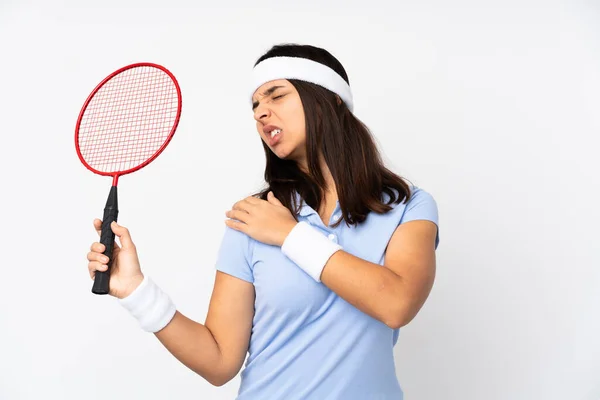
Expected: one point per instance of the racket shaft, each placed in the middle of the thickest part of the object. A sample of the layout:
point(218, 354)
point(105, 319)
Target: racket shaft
point(107, 238)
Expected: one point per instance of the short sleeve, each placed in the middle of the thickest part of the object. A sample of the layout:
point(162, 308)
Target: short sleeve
point(234, 255)
point(421, 206)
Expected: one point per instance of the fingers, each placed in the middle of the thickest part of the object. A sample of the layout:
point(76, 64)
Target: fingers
point(237, 225)
point(93, 256)
point(273, 200)
point(252, 200)
point(97, 261)
point(238, 215)
point(243, 205)
point(98, 247)
point(124, 236)
point(94, 266)
point(98, 228)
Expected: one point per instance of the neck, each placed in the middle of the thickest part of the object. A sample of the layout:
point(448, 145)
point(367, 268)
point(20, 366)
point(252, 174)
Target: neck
point(329, 182)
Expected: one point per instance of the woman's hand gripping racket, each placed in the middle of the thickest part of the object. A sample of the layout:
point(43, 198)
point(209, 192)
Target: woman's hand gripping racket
point(125, 123)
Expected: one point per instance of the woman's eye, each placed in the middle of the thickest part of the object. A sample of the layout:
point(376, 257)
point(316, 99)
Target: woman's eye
point(276, 97)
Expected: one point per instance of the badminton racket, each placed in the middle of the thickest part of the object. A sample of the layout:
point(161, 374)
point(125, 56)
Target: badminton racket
point(124, 124)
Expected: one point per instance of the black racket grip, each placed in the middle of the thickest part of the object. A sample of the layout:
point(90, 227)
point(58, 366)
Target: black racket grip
point(107, 238)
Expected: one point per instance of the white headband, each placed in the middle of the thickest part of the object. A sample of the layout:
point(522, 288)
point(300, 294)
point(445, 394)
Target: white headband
point(303, 69)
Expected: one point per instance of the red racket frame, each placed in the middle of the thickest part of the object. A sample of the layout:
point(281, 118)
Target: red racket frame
point(116, 174)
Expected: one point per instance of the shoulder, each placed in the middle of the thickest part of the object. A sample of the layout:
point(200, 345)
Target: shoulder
point(234, 256)
point(419, 198)
point(236, 241)
point(420, 206)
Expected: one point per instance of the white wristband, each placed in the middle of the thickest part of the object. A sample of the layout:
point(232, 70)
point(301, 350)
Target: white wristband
point(309, 249)
point(150, 306)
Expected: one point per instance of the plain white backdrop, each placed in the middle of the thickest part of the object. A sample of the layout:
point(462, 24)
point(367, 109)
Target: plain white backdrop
point(492, 107)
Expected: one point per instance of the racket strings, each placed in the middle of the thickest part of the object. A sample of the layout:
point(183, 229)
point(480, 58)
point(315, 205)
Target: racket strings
point(128, 120)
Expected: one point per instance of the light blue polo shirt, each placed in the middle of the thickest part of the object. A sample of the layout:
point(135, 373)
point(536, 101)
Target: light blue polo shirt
point(306, 341)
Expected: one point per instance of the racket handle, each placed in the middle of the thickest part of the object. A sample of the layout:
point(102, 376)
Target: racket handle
point(107, 238)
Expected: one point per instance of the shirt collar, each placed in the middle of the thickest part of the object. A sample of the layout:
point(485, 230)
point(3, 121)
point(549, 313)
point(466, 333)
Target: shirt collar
point(306, 210)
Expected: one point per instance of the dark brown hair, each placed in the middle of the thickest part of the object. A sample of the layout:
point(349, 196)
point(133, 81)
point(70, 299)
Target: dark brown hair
point(346, 145)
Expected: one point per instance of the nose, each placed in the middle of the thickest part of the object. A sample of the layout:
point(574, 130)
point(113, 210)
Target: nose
point(261, 112)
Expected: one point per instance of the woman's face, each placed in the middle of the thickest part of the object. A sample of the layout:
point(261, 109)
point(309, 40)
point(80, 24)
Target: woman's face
point(277, 106)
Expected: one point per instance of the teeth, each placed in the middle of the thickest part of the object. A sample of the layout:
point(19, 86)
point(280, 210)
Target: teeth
point(275, 132)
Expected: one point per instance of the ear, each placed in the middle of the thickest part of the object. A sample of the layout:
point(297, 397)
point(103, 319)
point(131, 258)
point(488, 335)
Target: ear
point(339, 101)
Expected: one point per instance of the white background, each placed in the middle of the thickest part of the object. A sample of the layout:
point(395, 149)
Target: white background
point(492, 107)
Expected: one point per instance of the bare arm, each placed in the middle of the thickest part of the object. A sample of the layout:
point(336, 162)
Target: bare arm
point(217, 349)
point(393, 294)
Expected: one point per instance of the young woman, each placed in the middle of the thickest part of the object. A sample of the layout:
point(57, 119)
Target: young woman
point(317, 272)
